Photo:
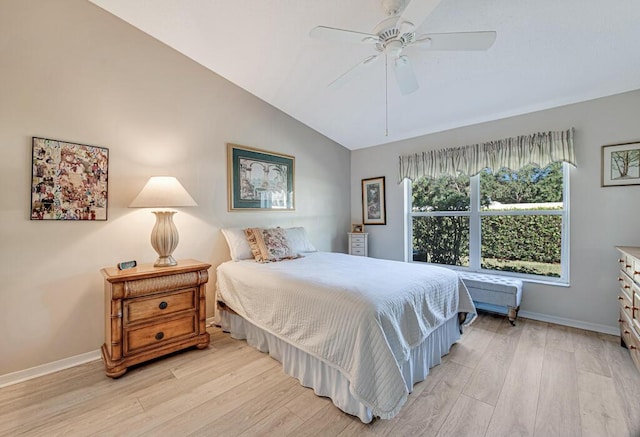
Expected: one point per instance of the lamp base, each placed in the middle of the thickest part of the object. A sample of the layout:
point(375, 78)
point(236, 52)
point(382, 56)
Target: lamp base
point(164, 238)
point(165, 261)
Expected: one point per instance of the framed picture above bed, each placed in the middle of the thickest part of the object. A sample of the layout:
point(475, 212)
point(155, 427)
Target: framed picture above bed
point(68, 181)
point(374, 210)
point(621, 164)
point(260, 180)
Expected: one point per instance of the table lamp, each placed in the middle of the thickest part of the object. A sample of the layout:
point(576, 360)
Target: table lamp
point(163, 192)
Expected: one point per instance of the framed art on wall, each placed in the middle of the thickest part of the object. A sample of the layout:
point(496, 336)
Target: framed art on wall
point(373, 202)
point(621, 164)
point(260, 180)
point(68, 181)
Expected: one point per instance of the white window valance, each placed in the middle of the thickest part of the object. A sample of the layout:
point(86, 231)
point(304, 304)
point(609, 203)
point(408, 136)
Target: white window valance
point(540, 149)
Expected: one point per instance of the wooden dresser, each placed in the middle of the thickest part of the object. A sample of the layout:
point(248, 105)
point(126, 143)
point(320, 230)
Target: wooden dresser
point(358, 244)
point(152, 311)
point(629, 298)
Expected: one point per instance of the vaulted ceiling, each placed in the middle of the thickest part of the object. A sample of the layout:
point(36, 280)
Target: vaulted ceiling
point(547, 53)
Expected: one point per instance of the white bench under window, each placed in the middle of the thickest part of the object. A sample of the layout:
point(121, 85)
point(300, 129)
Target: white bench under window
point(494, 293)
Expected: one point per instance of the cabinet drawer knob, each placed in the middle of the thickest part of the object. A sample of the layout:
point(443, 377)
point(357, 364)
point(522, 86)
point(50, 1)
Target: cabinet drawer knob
point(620, 279)
point(632, 347)
point(159, 335)
point(626, 286)
point(163, 305)
point(625, 331)
point(620, 260)
point(627, 307)
point(620, 297)
point(620, 320)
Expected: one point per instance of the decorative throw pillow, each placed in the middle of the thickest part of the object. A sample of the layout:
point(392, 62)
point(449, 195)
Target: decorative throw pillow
point(269, 245)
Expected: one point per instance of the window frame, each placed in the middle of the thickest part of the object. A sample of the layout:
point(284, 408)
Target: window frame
point(475, 215)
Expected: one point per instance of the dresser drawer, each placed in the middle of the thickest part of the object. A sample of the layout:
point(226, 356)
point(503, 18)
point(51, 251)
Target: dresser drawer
point(626, 284)
point(626, 306)
point(357, 251)
point(357, 239)
point(357, 244)
point(159, 305)
point(156, 334)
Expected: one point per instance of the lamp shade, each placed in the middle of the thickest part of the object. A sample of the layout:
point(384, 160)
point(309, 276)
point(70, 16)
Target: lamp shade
point(162, 192)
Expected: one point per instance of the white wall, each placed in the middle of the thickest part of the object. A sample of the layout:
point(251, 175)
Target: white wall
point(71, 71)
point(601, 218)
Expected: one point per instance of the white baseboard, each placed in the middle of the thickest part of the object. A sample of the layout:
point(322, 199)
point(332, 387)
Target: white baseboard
point(605, 329)
point(45, 369)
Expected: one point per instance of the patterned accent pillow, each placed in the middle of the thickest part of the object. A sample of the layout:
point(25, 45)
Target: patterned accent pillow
point(270, 244)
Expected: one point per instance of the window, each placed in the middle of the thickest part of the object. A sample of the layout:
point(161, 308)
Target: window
point(514, 222)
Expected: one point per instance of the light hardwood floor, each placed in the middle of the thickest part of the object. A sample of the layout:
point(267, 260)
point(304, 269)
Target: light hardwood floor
point(535, 379)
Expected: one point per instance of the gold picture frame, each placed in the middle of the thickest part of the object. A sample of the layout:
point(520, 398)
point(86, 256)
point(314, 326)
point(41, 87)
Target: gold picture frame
point(357, 228)
point(260, 180)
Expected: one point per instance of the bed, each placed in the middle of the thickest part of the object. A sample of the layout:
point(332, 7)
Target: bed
point(361, 331)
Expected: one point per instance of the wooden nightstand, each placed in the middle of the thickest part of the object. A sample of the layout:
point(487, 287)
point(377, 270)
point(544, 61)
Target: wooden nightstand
point(358, 244)
point(152, 311)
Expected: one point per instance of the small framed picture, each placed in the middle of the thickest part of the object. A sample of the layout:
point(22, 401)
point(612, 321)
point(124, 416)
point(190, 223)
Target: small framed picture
point(621, 164)
point(357, 228)
point(373, 202)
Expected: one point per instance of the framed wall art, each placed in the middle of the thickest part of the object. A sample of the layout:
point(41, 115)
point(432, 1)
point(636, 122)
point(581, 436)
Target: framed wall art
point(621, 164)
point(69, 181)
point(260, 180)
point(373, 202)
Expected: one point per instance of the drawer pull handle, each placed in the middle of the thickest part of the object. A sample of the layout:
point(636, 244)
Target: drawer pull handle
point(620, 297)
point(620, 320)
point(626, 286)
point(635, 272)
point(159, 335)
point(163, 305)
point(620, 260)
point(632, 347)
point(627, 307)
point(627, 266)
point(626, 332)
point(620, 279)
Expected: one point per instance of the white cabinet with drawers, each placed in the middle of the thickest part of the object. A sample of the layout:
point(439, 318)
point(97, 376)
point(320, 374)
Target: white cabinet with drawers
point(358, 244)
point(629, 298)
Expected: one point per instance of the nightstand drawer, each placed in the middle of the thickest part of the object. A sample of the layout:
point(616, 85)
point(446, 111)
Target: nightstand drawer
point(156, 334)
point(357, 244)
point(357, 251)
point(357, 239)
point(151, 307)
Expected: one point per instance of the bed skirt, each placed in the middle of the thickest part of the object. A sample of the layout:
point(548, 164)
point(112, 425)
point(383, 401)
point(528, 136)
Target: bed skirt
point(327, 380)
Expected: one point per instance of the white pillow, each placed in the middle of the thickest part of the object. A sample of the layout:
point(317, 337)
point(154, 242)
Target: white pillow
point(238, 245)
point(299, 241)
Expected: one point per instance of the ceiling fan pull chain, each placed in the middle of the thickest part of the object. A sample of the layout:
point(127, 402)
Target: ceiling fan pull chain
point(386, 95)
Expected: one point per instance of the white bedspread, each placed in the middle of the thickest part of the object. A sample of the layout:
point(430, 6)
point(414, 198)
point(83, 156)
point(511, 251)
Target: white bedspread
point(361, 315)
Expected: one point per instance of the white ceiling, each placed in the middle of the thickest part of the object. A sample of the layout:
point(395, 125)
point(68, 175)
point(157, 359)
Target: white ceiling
point(547, 53)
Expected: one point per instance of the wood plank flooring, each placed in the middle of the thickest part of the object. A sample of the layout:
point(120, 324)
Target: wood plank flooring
point(534, 379)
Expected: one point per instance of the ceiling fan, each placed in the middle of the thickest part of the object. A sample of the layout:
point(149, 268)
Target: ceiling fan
point(397, 32)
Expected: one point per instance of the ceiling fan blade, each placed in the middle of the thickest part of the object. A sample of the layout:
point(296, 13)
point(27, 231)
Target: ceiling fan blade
point(405, 76)
point(456, 41)
point(417, 11)
point(342, 35)
point(352, 72)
